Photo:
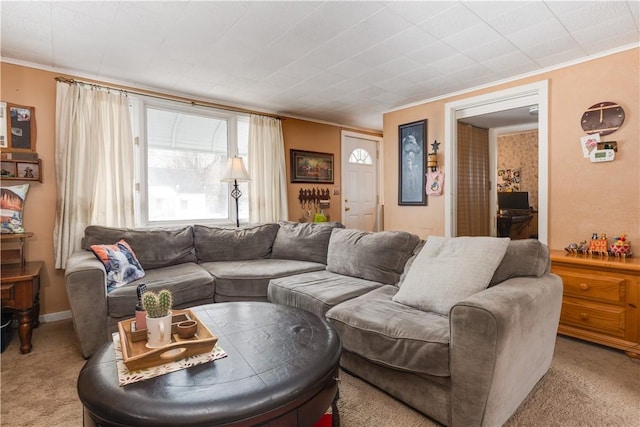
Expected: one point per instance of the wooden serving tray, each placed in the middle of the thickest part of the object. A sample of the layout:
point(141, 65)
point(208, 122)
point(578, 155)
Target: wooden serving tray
point(141, 334)
point(136, 355)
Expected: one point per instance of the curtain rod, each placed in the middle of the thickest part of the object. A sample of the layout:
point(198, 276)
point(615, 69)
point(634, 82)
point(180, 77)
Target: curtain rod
point(169, 98)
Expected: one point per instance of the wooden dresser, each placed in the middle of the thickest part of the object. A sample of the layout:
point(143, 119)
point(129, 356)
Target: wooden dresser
point(601, 301)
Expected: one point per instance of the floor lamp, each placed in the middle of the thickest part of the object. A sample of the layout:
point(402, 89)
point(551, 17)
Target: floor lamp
point(236, 172)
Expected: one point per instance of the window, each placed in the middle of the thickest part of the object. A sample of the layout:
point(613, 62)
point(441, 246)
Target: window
point(360, 156)
point(183, 152)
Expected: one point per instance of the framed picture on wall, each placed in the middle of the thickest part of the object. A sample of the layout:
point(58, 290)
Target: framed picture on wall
point(20, 128)
point(411, 156)
point(311, 167)
point(3, 125)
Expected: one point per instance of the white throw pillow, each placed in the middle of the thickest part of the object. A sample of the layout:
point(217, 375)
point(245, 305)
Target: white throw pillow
point(449, 269)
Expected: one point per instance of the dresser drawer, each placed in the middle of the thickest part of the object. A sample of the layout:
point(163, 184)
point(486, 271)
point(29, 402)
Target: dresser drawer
point(599, 317)
point(591, 285)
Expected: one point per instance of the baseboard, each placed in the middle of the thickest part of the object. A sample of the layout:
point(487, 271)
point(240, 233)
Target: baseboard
point(52, 317)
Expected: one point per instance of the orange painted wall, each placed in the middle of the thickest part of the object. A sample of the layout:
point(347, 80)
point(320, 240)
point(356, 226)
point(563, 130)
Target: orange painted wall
point(307, 136)
point(583, 197)
point(37, 88)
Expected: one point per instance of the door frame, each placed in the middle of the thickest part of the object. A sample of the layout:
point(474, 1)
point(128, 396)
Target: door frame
point(519, 96)
point(344, 157)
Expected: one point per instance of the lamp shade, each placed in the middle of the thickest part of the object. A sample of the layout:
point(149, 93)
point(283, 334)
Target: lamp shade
point(235, 170)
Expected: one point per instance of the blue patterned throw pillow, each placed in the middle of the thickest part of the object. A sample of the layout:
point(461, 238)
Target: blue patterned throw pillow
point(120, 262)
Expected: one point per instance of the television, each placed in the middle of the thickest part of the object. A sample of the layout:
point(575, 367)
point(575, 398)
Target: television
point(513, 200)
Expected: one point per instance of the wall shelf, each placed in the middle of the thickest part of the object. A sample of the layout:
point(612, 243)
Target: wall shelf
point(21, 170)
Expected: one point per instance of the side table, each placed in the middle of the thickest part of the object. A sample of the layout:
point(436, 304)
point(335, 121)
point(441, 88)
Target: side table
point(20, 288)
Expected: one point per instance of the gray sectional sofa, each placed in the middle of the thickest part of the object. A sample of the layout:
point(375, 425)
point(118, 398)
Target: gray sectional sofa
point(470, 360)
point(199, 264)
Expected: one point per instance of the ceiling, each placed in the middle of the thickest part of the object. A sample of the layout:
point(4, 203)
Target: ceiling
point(338, 62)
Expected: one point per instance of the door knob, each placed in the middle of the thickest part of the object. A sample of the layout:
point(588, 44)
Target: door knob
point(347, 209)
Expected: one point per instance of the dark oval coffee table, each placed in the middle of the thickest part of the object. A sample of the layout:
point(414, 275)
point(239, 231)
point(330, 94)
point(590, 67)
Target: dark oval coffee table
point(281, 369)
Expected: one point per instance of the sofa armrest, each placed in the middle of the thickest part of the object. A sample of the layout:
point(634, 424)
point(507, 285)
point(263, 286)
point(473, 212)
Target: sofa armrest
point(502, 343)
point(86, 284)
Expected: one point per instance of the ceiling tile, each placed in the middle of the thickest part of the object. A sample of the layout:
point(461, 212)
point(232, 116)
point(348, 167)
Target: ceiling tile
point(528, 14)
point(481, 51)
point(418, 11)
point(450, 21)
point(488, 10)
point(347, 68)
point(550, 47)
point(480, 31)
point(530, 36)
point(453, 63)
point(560, 57)
point(591, 14)
point(402, 65)
point(607, 29)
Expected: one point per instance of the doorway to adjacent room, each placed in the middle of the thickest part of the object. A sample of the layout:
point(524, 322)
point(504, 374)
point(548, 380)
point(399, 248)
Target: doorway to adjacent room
point(535, 94)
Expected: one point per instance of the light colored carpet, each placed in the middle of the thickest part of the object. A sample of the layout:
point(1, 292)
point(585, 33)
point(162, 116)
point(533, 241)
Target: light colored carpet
point(588, 385)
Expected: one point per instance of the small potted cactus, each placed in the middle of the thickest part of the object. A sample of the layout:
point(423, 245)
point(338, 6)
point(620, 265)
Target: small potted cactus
point(157, 305)
point(158, 308)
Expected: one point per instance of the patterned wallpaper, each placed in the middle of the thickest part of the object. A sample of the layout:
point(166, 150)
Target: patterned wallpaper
point(520, 151)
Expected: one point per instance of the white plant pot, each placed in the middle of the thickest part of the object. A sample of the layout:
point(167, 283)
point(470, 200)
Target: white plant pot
point(158, 331)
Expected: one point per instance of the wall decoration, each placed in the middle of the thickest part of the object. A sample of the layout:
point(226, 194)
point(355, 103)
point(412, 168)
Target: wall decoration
point(310, 166)
point(508, 179)
point(8, 170)
point(603, 118)
point(30, 170)
point(589, 143)
point(411, 168)
point(3, 125)
point(21, 128)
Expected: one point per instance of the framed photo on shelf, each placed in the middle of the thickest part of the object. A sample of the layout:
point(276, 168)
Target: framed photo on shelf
point(20, 128)
point(28, 170)
point(311, 167)
point(8, 170)
point(412, 155)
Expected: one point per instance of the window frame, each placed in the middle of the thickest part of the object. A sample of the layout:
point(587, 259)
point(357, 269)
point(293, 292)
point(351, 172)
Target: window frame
point(138, 107)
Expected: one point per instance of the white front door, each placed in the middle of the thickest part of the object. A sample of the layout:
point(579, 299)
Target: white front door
point(360, 199)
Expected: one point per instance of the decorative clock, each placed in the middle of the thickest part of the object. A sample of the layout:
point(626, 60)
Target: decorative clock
point(603, 118)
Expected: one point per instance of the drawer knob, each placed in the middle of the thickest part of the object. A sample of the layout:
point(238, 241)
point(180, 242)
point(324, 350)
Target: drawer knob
point(584, 316)
point(584, 286)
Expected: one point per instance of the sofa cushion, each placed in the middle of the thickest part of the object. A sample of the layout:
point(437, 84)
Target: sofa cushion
point(525, 257)
point(317, 291)
point(449, 269)
point(249, 279)
point(232, 244)
point(379, 256)
point(119, 262)
point(187, 282)
point(410, 261)
point(154, 247)
point(307, 241)
point(392, 334)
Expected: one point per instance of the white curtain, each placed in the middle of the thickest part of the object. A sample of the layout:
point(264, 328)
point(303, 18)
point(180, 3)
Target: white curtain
point(267, 168)
point(94, 164)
